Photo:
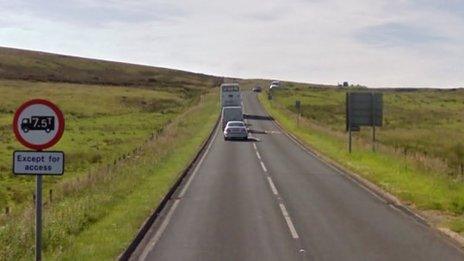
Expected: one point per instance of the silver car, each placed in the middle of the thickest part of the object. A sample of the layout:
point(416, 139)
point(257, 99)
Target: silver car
point(235, 130)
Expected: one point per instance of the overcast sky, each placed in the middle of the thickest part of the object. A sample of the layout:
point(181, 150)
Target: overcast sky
point(371, 42)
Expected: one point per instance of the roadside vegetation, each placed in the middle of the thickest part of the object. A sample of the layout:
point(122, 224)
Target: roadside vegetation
point(103, 124)
point(420, 150)
point(95, 215)
point(130, 130)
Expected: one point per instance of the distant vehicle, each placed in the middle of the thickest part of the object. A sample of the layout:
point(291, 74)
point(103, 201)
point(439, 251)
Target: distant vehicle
point(274, 84)
point(235, 130)
point(277, 83)
point(231, 113)
point(230, 95)
point(43, 123)
point(257, 89)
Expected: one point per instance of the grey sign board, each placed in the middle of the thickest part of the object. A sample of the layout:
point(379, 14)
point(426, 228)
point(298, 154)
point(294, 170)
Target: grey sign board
point(363, 109)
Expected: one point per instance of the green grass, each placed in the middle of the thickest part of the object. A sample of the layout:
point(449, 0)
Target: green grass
point(403, 177)
point(425, 122)
point(102, 124)
point(100, 213)
point(457, 225)
point(112, 110)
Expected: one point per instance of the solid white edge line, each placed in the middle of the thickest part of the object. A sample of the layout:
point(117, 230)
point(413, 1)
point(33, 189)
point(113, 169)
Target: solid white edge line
point(339, 172)
point(273, 187)
point(254, 146)
point(287, 218)
point(257, 155)
point(263, 166)
point(187, 184)
point(167, 219)
point(160, 231)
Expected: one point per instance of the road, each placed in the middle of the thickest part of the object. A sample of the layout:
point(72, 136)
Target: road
point(268, 199)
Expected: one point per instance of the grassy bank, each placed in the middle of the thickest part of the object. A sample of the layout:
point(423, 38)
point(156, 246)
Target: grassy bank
point(100, 212)
point(17, 64)
point(417, 182)
point(103, 124)
point(425, 122)
point(124, 122)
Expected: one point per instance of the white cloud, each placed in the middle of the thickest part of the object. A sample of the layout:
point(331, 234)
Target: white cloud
point(312, 41)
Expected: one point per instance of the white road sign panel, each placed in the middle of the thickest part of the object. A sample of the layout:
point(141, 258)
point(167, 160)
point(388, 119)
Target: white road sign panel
point(38, 162)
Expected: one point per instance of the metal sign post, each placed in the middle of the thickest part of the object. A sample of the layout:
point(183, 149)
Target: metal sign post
point(373, 121)
point(38, 217)
point(38, 124)
point(298, 108)
point(348, 113)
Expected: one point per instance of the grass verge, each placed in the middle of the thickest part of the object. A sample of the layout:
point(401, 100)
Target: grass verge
point(429, 192)
point(103, 123)
point(101, 213)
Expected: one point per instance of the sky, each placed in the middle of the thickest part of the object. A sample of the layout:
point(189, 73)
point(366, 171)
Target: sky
point(377, 43)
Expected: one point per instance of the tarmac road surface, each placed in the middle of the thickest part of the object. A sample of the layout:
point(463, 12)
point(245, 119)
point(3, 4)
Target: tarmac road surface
point(268, 199)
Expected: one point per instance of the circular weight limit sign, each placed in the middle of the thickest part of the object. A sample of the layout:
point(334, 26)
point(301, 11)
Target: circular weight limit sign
point(38, 124)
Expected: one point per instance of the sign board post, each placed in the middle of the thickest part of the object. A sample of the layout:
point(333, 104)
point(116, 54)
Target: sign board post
point(38, 124)
point(363, 109)
point(348, 120)
point(38, 217)
point(298, 109)
point(373, 120)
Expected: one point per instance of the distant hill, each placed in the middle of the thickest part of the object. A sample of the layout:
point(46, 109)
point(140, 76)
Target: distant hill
point(40, 66)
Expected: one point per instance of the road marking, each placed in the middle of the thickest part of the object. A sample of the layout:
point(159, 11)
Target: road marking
point(360, 184)
point(167, 219)
point(263, 166)
point(287, 218)
point(337, 171)
point(160, 231)
point(284, 211)
point(187, 184)
point(273, 188)
point(272, 132)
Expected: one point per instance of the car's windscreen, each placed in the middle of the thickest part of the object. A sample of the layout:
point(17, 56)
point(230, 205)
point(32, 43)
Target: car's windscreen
point(229, 88)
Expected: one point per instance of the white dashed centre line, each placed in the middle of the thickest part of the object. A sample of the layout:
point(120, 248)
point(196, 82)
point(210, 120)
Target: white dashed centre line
point(289, 221)
point(284, 211)
point(263, 166)
point(273, 188)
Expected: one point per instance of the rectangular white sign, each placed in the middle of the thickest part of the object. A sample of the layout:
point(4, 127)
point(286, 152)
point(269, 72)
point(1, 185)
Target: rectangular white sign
point(38, 162)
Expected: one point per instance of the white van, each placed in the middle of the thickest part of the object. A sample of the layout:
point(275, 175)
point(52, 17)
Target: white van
point(231, 113)
point(230, 95)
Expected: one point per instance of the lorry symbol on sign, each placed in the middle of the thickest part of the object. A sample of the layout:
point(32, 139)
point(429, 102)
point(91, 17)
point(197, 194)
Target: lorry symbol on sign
point(42, 123)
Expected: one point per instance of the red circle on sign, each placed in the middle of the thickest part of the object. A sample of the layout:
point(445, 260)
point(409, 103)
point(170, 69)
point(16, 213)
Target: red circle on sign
point(58, 134)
